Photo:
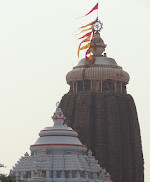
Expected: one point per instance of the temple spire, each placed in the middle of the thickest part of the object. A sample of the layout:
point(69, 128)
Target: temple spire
point(58, 117)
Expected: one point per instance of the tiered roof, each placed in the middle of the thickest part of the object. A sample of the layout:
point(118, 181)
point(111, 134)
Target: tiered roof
point(58, 154)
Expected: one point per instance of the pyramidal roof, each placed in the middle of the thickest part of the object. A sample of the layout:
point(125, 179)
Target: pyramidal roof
point(58, 137)
point(59, 155)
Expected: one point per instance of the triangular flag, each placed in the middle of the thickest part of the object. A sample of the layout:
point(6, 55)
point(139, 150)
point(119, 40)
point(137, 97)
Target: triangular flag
point(90, 58)
point(92, 27)
point(93, 22)
point(86, 35)
point(85, 47)
point(88, 52)
point(85, 40)
point(95, 7)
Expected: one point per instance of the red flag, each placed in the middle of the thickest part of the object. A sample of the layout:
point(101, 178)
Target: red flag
point(95, 7)
point(88, 24)
point(90, 58)
point(86, 35)
point(88, 52)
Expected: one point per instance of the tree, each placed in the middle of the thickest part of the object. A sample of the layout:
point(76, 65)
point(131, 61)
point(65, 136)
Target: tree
point(9, 178)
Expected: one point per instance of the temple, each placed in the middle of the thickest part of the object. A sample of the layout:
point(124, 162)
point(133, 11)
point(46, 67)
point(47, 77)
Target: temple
point(99, 108)
point(58, 156)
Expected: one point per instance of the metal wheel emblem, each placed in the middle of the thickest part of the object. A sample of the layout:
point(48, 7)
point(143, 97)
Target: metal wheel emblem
point(98, 26)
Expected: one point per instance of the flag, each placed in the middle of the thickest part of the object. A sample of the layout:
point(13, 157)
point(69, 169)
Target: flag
point(90, 56)
point(85, 40)
point(86, 35)
point(92, 23)
point(88, 52)
point(85, 47)
point(95, 7)
point(92, 27)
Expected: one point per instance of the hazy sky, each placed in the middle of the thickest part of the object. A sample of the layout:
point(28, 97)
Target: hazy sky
point(38, 47)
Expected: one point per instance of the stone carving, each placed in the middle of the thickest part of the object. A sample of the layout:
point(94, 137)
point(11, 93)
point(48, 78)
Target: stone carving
point(108, 125)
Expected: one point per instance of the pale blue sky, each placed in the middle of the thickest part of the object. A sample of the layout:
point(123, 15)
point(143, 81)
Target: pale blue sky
point(38, 47)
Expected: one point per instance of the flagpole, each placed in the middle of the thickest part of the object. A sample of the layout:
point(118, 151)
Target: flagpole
point(97, 8)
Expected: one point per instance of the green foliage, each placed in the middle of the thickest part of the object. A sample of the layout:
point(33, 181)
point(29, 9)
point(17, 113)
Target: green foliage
point(9, 178)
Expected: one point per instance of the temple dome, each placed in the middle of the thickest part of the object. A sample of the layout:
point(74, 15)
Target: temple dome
point(104, 68)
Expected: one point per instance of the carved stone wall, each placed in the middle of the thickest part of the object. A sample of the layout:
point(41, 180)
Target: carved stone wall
point(107, 86)
point(108, 124)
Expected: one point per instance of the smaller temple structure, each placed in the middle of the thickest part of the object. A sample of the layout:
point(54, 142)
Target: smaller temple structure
point(59, 156)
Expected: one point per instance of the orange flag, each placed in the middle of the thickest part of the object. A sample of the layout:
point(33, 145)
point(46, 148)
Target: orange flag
point(85, 47)
point(85, 40)
point(91, 28)
point(90, 58)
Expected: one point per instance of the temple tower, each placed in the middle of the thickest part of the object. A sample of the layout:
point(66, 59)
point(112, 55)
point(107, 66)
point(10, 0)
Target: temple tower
point(59, 156)
point(99, 108)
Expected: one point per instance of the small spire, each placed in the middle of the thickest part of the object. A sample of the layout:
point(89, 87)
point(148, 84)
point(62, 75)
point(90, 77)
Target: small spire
point(58, 117)
point(26, 154)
